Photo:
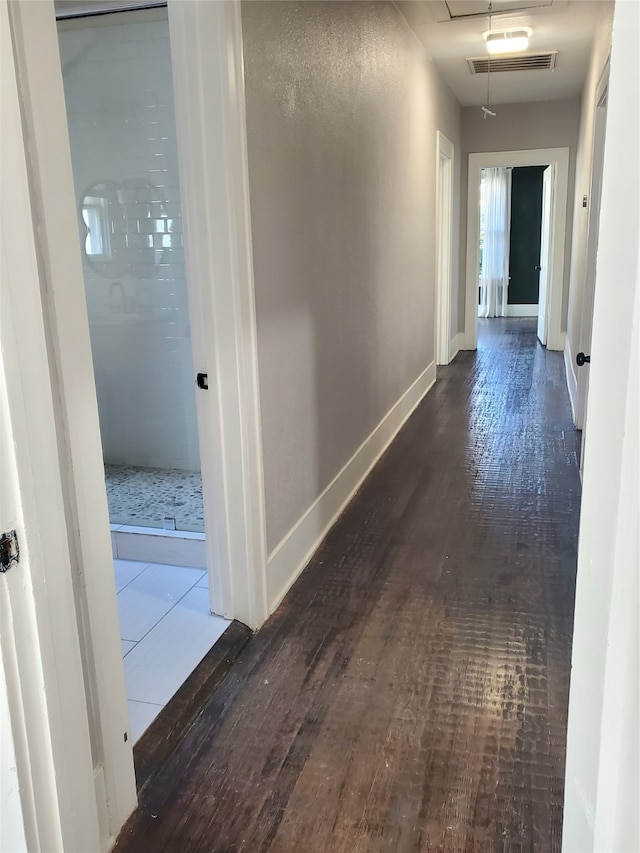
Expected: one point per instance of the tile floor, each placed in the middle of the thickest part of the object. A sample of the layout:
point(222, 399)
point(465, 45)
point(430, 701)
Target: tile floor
point(145, 496)
point(165, 628)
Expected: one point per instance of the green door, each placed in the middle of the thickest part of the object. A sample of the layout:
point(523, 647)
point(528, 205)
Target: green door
point(524, 244)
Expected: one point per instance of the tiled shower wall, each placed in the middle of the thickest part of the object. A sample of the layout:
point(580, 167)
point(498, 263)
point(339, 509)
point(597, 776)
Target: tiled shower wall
point(119, 94)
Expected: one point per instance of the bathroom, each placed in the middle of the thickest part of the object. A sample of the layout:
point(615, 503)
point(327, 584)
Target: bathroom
point(119, 97)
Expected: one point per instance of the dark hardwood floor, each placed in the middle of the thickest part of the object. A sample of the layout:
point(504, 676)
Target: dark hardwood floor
point(411, 691)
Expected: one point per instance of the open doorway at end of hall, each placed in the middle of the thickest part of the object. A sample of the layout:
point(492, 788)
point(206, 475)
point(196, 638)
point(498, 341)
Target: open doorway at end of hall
point(495, 251)
point(514, 243)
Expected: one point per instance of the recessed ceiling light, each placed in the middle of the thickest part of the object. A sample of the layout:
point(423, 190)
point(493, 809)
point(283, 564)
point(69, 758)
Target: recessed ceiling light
point(512, 41)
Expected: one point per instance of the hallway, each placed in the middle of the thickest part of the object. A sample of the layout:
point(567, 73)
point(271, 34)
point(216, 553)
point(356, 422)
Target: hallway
point(411, 691)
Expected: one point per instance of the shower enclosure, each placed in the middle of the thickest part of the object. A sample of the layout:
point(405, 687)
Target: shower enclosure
point(119, 96)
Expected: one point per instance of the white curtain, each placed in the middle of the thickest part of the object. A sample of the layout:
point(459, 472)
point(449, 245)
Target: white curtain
point(495, 229)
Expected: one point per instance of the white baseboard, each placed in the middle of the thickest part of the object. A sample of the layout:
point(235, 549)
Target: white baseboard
point(467, 341)
point(292, 554)
point(572, 379)
point(455, 346)
point(522, 310)
point(556, 343)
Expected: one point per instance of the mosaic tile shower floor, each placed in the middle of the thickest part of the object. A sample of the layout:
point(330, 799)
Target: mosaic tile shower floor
point(146, 496)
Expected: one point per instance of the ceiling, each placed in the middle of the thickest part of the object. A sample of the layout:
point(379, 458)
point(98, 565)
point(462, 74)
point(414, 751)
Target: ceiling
point(453, 31)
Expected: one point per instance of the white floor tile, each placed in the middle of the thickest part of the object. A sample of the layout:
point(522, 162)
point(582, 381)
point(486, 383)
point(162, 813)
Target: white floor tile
point(141, 715)
point(127, 645)
point(204, 581)
point(126, 571)
point(150, 595)
point(170, 652)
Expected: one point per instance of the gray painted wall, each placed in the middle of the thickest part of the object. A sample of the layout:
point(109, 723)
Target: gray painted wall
point(343, 106)
point(518, 127)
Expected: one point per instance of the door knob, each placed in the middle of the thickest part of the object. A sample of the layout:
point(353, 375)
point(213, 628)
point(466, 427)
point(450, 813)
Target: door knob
point(582, 359)
point(537, 268)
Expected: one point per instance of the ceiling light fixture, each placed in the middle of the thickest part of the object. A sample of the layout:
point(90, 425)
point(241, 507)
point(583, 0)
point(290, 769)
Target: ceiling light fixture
point(512, 41)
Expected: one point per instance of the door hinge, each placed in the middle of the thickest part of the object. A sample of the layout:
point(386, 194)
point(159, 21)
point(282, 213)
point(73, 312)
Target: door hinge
point(9, 551)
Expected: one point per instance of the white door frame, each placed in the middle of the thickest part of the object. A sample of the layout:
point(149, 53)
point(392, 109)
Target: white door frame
point(548, 185)
point(208, 78)
point(532, 157)
point(206, 41)
point(595, 189)
point(444, 248)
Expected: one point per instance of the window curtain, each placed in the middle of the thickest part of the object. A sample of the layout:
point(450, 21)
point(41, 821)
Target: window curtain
point(496, 221)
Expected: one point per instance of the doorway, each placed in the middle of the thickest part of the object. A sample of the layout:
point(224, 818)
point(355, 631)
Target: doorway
point(558, 161)
point(524, 241)
point(515, 243)
point(213, 179)
point(117, 76)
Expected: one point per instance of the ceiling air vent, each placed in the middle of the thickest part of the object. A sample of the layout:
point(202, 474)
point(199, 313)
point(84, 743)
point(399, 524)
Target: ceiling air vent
point(521, 62)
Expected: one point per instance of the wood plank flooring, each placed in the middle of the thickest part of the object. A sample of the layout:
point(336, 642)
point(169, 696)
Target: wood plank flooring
point(410, 694)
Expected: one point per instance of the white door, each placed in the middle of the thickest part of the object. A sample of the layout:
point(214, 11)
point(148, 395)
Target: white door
point(602, 785)
point(443, 241)
point(56, 766)
point(586, 326)
point(548, 180)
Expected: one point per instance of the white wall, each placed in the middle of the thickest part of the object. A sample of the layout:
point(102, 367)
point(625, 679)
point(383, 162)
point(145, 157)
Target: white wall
point(517, 127)
point(119, 95)
point(602, 772)
point(343, 106)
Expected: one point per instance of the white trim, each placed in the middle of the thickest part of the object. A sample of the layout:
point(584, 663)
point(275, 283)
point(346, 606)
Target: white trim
point(295, 550)
point(572, 379)
point(444, 245)
point(522, 310)
point(455, 345)
point(593, 220)
point(533, 157)
point(206, 49)
point(80, 9)
point(151, 545)
point(13, 800)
